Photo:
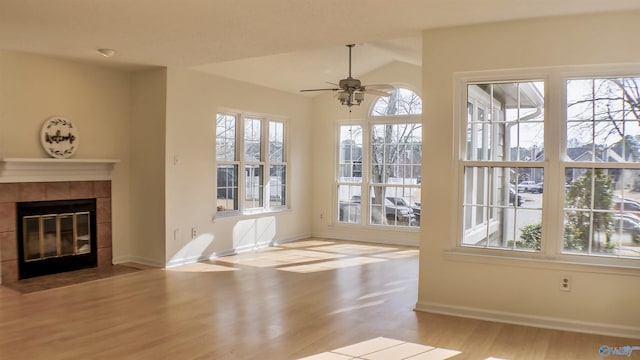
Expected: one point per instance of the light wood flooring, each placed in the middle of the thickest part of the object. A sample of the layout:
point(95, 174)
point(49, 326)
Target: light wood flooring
point(317, 299)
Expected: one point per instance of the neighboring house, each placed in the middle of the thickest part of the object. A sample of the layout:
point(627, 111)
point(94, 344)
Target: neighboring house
point(611, 155)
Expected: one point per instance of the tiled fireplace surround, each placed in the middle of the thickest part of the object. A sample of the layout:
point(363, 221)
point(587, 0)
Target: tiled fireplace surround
point(11, 193)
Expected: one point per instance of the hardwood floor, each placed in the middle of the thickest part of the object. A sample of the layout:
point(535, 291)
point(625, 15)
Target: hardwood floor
point(311, 298)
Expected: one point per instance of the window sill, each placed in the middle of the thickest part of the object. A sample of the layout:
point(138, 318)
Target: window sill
point(344, 225)
point(565, 262)
point(249, 214)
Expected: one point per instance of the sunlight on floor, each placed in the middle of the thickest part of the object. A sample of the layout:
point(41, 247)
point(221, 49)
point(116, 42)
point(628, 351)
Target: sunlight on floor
point(278, 257)
point(305, 243)
point(399, 254)
point(331, 265)
point(305, 256)
point(381, 293)
point(202, 267)
point(386, 349)
point(357, 307)
point(354, 249)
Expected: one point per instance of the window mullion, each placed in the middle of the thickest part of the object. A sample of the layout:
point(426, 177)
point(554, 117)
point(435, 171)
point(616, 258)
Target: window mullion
point(264, 157)
point(240, 148)
point(366, 186)
point(553, 205)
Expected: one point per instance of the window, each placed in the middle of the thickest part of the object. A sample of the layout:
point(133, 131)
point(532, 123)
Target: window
point(602, 167)
point(504, 137)
point(227, 160)
point(253, 164)
point(262, 145)
point(350, 173)
point(277, 165)
point(588, 171)
point(401, 102)
point(388, 172)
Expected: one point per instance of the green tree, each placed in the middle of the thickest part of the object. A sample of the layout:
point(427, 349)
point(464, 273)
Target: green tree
point(531, 237)
point(593, 190)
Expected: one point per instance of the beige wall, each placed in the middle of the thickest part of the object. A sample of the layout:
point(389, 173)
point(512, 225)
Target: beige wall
point(519, 291)
point(148, 137)
point(97, 99)
point(146, 119)
point(193, 100)
point(326, 111)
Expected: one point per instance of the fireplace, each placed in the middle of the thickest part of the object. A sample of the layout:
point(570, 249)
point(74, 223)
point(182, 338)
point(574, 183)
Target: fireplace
point(36, 192)
point(55, 236)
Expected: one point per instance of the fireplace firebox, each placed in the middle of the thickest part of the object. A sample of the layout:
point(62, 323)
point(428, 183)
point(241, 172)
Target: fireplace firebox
point(56, 236)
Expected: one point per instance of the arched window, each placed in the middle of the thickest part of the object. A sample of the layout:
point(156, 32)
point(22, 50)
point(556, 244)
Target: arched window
point(401, 101)
point(380, 164)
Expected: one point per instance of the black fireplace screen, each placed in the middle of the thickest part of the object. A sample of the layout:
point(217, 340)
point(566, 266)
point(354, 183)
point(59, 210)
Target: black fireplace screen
point(56, 236)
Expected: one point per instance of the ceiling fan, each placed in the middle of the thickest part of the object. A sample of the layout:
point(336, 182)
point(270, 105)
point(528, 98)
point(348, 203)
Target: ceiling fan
point(351, 91)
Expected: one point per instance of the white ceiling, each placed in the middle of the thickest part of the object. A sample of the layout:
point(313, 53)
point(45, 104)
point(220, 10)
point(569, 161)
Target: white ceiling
point(284, 44)
point(312, 69)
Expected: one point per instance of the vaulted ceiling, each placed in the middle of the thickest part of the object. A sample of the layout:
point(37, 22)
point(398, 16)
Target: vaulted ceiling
point(284, 44)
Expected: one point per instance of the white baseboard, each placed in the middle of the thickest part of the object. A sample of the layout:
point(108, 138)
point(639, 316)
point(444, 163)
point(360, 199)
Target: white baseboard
point(213, 256)
point(137, 260)
point(531, 320)
point(291, 239)
point(386, 241)
point(227, 252)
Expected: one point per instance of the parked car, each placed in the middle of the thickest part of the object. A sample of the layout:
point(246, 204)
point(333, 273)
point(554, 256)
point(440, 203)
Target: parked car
point(395, 214)
point(618, 198)
point(529, 186)
point(398, 201)
point(626, 205)
point(630, 224)
point(538, 188)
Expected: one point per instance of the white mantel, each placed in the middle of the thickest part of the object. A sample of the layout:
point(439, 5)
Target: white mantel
point(13, 170)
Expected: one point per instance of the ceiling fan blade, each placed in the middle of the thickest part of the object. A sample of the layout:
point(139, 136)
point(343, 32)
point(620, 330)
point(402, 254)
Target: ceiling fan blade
point(331, 89)
point(382, 87)
point(376, 92)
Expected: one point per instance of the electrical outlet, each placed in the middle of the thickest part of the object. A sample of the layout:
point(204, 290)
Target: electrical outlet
point(321, 216)
point(194, 232)
point(565, 283)
point(176, 234)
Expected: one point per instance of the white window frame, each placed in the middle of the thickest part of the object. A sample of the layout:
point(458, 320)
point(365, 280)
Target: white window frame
point(228, 162)
point(364, 203)
point(481, 100)
point(367, 182)
point(551, 255)
point(264, 162)
point(366, 185)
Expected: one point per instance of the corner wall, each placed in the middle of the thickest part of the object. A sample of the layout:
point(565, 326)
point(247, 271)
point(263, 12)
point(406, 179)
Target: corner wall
point(326, 112)
point(602, 302)
point(97, 100)
point(193, 100)
point(148, 137)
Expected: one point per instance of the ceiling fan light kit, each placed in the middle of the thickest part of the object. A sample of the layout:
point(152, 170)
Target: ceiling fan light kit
point(350, 99)
point(351, 91)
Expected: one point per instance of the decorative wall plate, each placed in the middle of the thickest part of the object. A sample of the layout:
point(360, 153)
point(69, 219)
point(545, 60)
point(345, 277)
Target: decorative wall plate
point(59, 137)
